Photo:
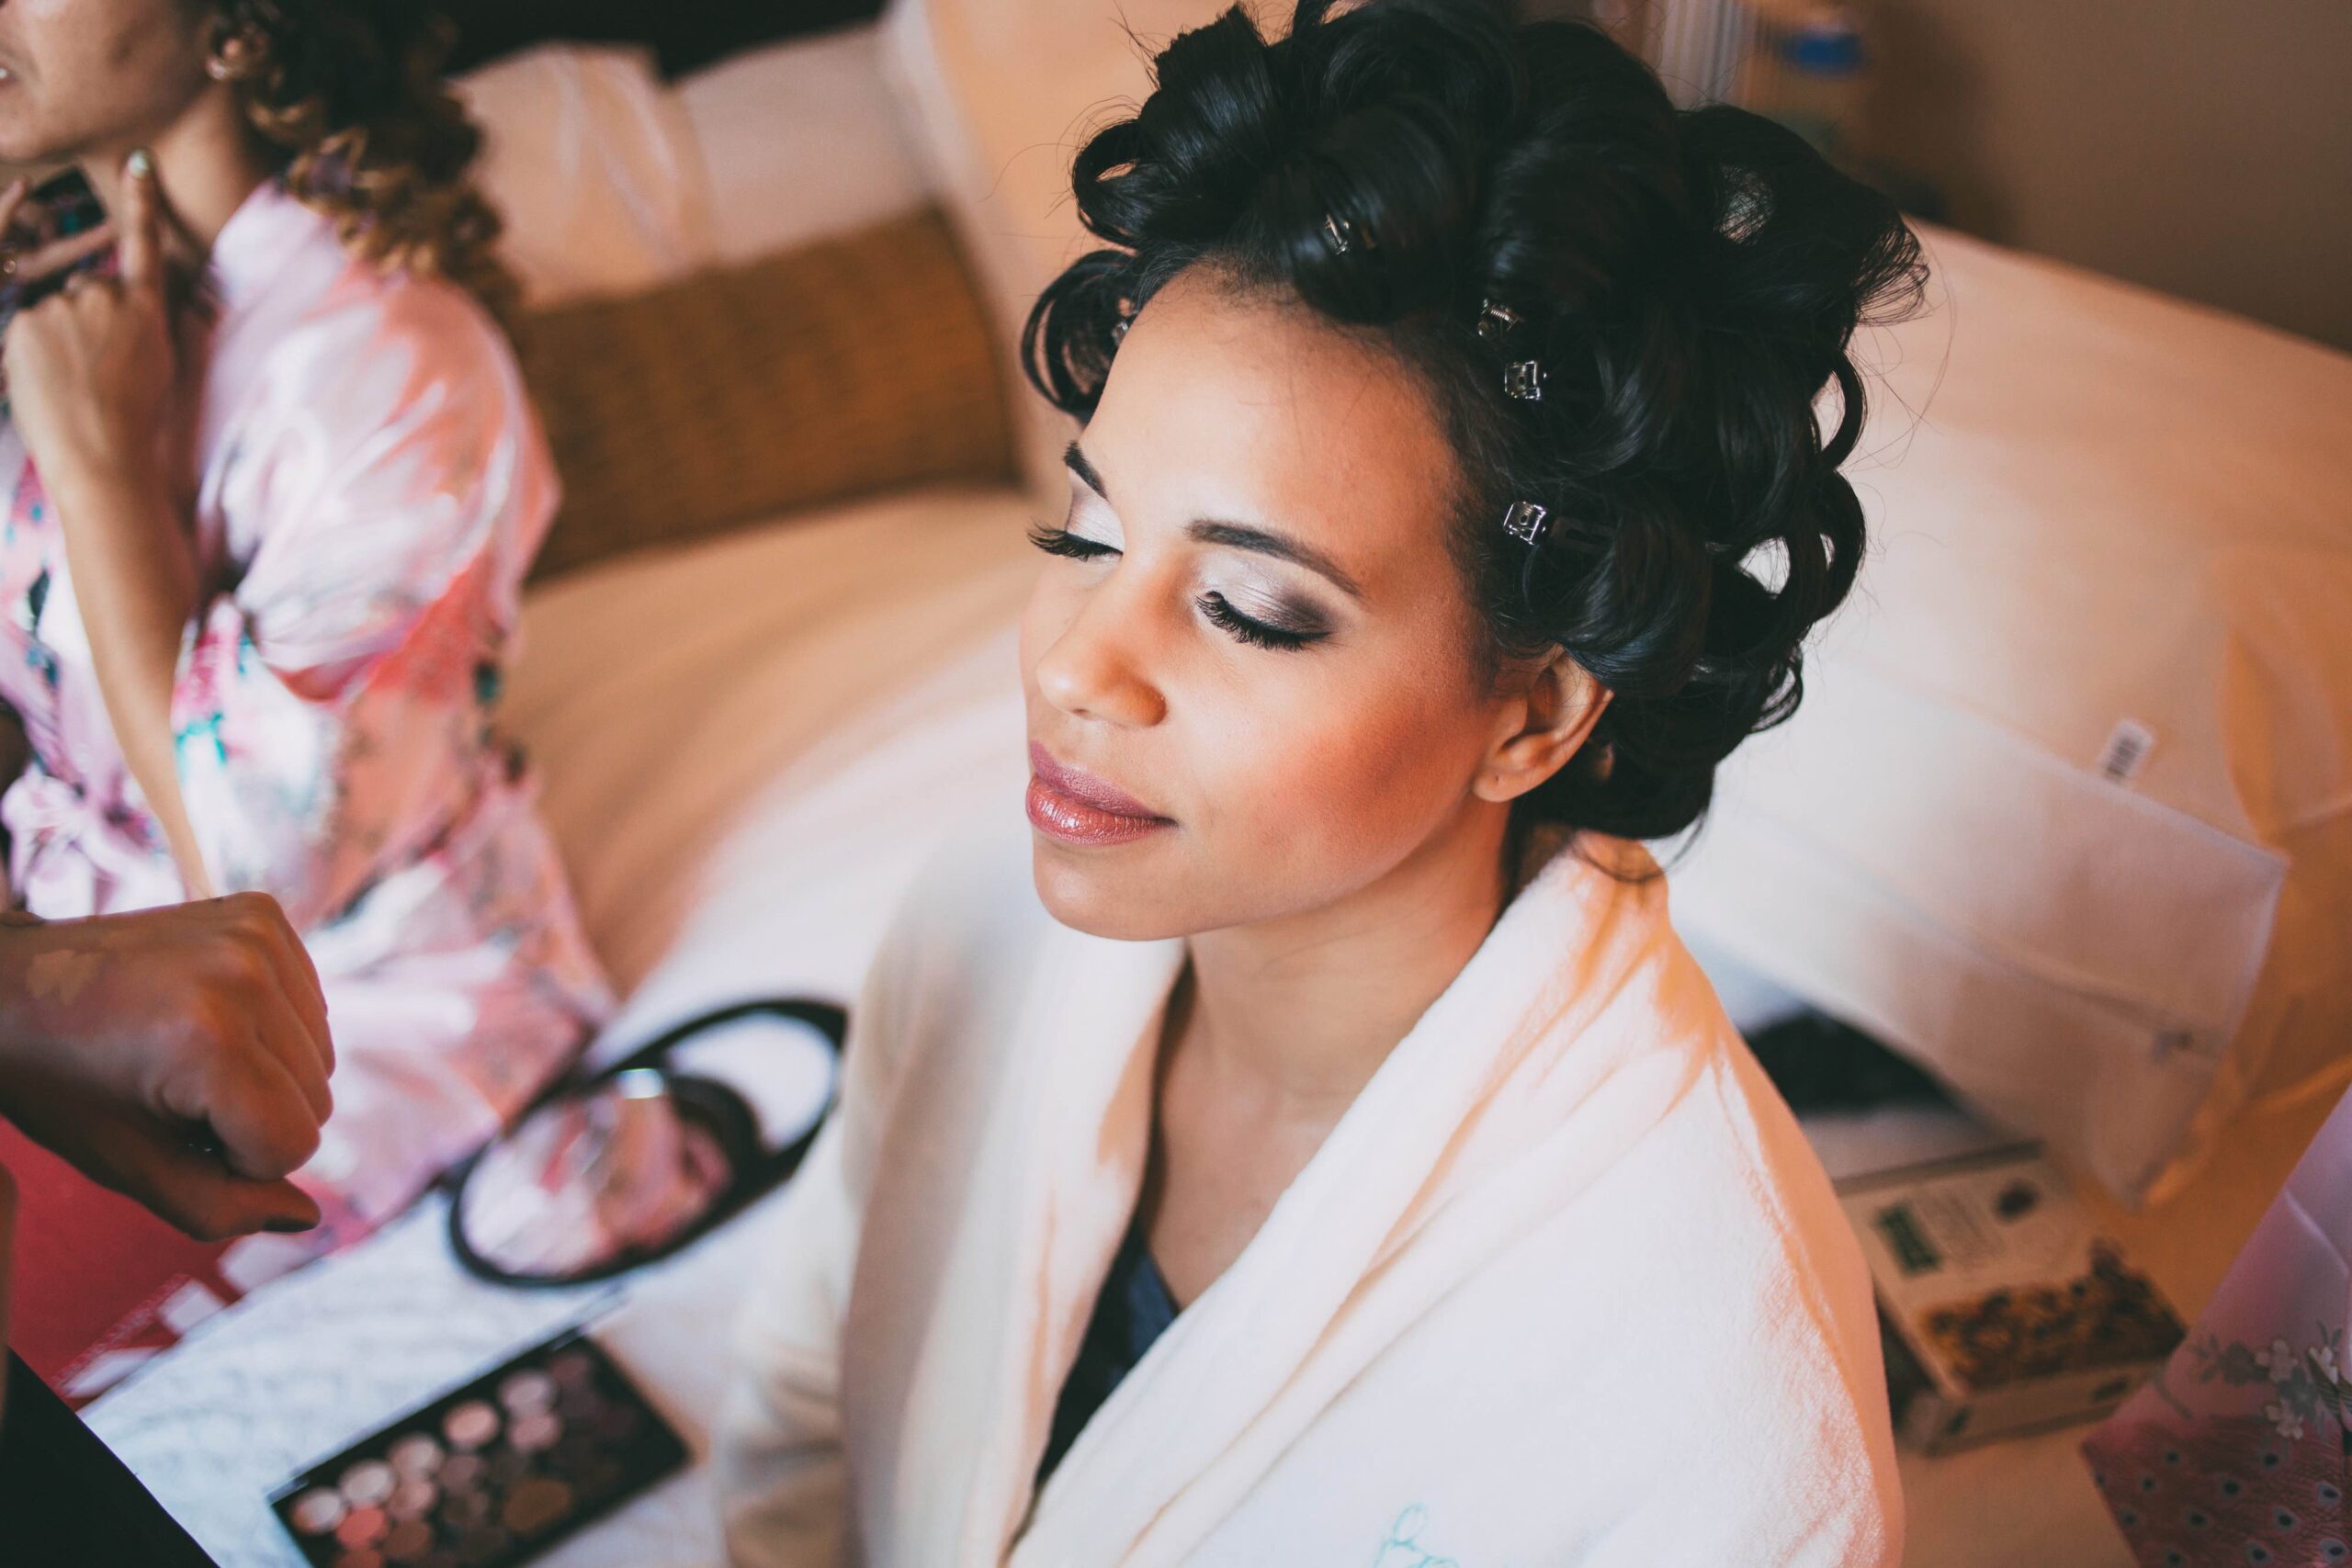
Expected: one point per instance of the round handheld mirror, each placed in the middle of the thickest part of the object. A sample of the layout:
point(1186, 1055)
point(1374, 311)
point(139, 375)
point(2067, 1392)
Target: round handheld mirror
point(606, 1174)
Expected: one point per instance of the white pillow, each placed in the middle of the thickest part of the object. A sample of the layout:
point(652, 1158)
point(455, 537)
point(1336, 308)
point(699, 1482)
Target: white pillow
point(799, 140)
point(2067, 810)
point(591, 162)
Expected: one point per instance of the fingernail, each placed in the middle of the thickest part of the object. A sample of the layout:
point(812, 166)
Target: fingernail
point(289, 1226)
point(139, 164)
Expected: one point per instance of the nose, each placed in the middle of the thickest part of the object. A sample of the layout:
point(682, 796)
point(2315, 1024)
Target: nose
point(1096, 665)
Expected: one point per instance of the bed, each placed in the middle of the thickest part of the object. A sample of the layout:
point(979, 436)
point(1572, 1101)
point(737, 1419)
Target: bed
point(742, 783)
point(743, 787)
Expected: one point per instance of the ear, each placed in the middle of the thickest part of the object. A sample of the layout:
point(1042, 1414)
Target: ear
point(1551, 719)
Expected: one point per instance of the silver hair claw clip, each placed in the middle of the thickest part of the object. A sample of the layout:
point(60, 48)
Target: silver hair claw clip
point(1524, 520)
point(1524, 379)
point(1495, 320)
point(1340, 231)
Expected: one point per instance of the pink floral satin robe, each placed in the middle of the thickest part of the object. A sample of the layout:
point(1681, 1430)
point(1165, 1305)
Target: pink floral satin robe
point(368, 485)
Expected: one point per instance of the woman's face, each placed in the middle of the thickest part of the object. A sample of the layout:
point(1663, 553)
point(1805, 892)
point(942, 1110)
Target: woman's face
point(95, 75)
point(1258, 639)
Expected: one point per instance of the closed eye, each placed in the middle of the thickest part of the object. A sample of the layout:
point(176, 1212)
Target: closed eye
point(1058, 540)
point(1055, 540)
point(1256, 634)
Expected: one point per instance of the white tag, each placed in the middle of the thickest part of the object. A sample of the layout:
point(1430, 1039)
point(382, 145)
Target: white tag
point(254, 1262)
point(102, 1372)
point(189, 1305)
point(2127, 745)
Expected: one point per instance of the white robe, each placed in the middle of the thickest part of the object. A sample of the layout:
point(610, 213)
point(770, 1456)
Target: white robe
point(1564, 1286)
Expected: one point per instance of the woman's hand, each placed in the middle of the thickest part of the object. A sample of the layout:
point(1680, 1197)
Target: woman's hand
point(176, 1054)
point(90, 369)
point(30, 254)
point(90, 375)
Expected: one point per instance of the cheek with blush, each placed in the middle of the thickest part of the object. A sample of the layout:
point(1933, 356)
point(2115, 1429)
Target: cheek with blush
point(1321, 793)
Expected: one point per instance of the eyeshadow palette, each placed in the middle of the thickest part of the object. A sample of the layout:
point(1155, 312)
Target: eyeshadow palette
point(490, 1475)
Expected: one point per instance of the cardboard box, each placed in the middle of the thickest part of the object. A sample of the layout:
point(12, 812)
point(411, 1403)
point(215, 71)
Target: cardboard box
point(2002, 1309)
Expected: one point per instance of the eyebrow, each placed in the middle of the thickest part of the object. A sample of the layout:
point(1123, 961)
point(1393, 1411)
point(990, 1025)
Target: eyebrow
point(1237, 536)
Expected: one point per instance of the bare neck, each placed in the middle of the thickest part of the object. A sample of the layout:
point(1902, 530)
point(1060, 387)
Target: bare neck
point(1302, 1010)
point(208, 161)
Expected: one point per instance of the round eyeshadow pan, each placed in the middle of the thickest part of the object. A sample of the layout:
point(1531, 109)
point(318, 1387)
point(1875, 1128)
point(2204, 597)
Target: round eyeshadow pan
point(367, 1483)
point(573, 1369)
point(466, 1508)
point(470, 1425)
point(361, 1559)
point(317, 1511)
point(413, 1500)
point(530, 1434)
point(462, 1473)
point(535, 1505)
point(362, 1526)
point(415, 1455)
point(527, 1393)
point(408, 1542)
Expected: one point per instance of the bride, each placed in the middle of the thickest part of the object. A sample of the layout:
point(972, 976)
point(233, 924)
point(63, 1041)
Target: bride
point(1304, 1139)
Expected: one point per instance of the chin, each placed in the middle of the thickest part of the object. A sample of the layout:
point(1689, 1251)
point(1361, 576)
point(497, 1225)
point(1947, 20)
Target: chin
point(19, 145)
point(1085, 891)
point(30, 136)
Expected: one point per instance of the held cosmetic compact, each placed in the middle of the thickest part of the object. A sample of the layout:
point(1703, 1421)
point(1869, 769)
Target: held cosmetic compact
point(610, 1172)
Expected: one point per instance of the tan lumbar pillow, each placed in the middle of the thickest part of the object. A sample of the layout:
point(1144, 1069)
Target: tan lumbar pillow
point(853, 366)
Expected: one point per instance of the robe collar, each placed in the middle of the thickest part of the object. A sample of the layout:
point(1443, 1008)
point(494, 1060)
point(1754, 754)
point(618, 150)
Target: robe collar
point(1166, 1454)
point(266, 231)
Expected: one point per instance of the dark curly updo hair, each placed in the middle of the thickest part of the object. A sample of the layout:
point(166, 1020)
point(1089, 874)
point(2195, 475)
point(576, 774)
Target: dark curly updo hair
point(1687, 281)
point(350, 95)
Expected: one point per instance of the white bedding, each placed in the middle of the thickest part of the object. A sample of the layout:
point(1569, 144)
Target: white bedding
point(748, 747)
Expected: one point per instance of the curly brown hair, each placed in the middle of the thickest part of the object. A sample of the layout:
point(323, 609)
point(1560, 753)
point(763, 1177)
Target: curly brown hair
point(351, 93)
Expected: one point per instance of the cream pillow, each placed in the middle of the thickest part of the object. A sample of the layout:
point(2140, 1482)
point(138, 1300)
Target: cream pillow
point(799, 140)
point(997, 97)
point(591, 162)
point(2067, 810)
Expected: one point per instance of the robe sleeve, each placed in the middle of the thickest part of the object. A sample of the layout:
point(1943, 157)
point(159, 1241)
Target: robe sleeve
point(782, 1477)
point(328, 707)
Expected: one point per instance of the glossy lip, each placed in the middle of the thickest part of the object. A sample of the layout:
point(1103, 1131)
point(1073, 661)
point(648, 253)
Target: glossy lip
point(1084, 787)
point(1079, 808)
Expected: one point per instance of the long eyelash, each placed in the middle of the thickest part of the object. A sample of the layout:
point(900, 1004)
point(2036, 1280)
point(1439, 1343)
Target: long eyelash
point(1256, 633)
point(1057, 540)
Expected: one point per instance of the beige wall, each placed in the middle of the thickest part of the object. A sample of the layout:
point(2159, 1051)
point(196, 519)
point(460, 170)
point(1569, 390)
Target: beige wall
point(2203, 147)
